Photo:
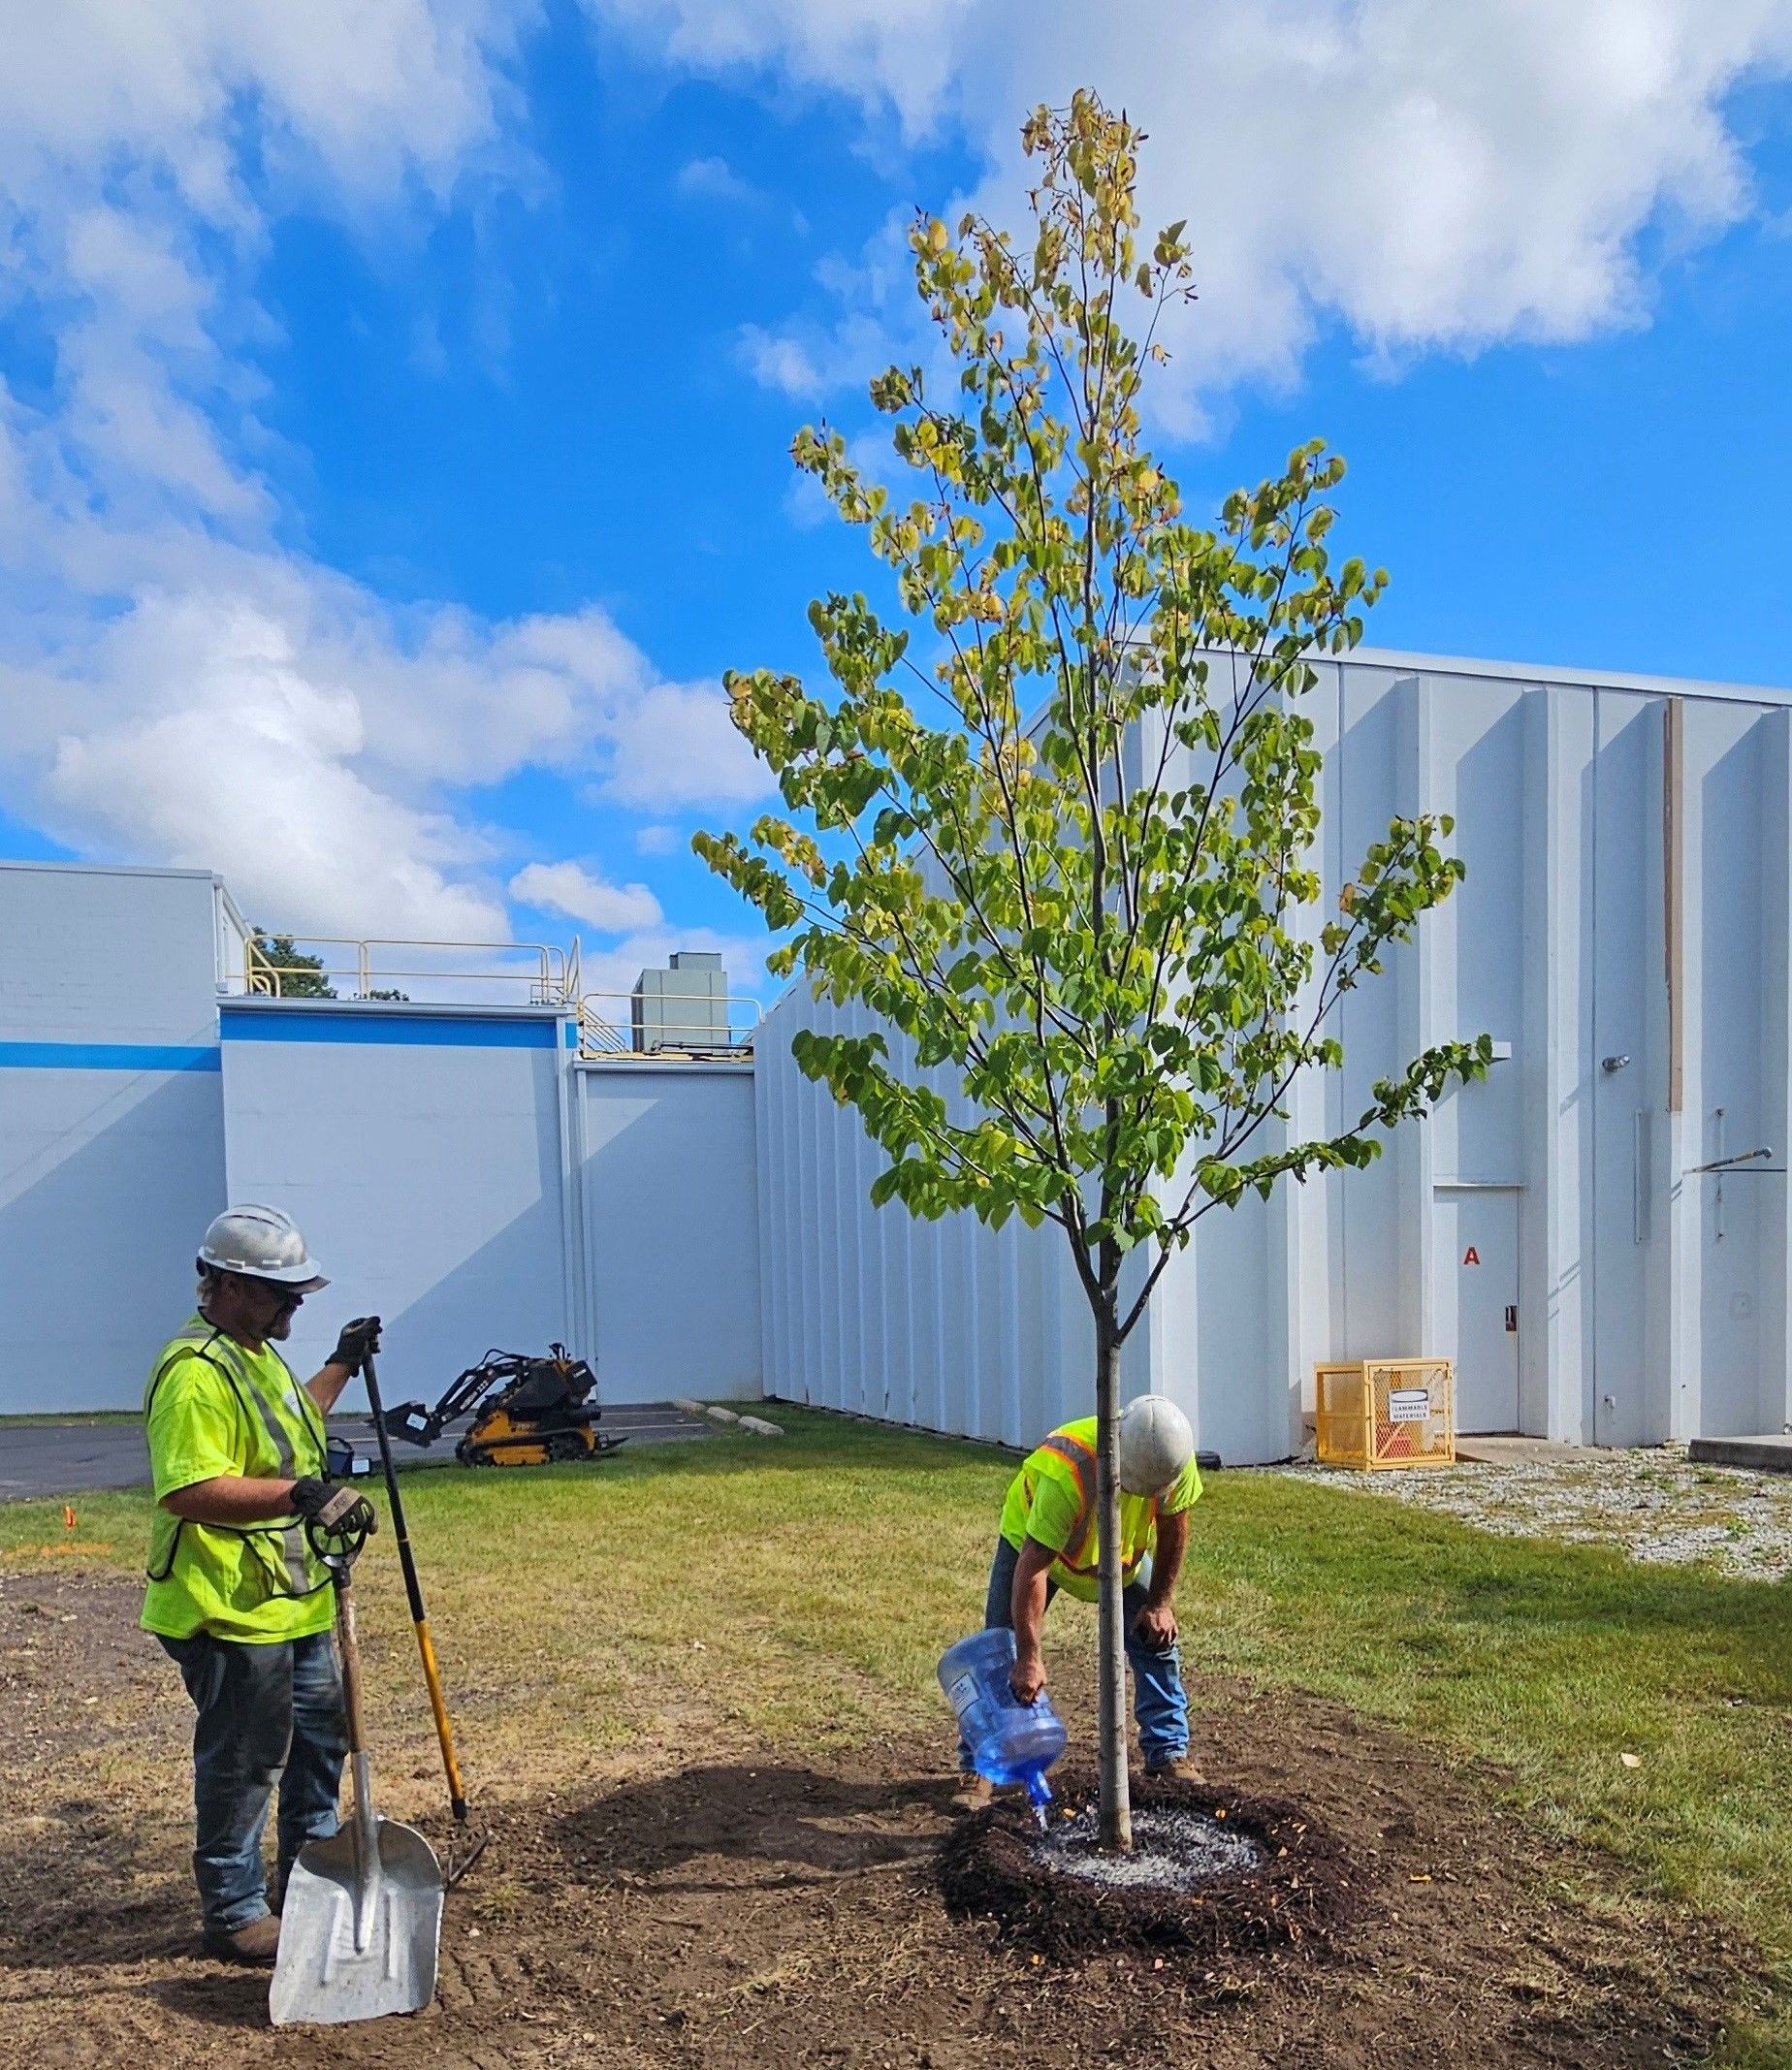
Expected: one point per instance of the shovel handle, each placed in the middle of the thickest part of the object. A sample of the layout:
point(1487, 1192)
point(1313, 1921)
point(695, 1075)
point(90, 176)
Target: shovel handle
point(413, 1589)
point(349, 1646)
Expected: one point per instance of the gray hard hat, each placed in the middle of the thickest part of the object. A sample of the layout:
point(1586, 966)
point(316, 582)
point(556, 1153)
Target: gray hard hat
point(261, 1243)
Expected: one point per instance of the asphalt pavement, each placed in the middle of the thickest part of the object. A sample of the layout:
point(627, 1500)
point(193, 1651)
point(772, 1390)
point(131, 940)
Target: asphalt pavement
point(51, 1458)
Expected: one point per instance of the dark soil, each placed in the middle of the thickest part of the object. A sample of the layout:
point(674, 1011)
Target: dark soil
point(761, 1910)
point(1298, 1894)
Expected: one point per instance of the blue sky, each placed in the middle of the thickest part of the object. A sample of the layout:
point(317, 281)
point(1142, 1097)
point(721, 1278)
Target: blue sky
point(393, 439)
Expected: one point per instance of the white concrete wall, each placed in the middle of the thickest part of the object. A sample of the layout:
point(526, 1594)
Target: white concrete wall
point(669, 1227)
point(112, 1141)
point(91, 954)
point(424, 1153)
point(460, 1174)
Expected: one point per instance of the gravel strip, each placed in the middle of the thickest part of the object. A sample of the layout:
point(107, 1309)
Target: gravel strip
point(1656, 1504)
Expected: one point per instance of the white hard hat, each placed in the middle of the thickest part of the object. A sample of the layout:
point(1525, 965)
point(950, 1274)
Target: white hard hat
point(261, 1243)
point(1156, 1444)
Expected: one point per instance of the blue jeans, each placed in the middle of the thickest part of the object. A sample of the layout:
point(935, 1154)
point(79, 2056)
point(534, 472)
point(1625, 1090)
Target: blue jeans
point(1159, 1702)
point(267, 1715)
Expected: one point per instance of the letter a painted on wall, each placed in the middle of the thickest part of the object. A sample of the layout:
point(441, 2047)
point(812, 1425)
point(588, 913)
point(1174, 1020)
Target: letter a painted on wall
point(1471, 1257)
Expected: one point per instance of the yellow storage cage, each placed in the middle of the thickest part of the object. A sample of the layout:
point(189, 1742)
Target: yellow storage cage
point(1377, 1413)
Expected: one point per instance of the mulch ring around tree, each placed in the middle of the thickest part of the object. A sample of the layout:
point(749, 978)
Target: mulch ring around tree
point(1214, 1874)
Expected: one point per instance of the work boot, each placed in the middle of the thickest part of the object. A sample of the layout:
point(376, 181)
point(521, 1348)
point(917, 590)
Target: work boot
point(1175, 1768)
point(253, 1944)
point(975, 1791)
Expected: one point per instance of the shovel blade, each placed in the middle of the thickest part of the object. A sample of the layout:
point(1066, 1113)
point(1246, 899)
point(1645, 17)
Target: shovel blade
point(359, 1937)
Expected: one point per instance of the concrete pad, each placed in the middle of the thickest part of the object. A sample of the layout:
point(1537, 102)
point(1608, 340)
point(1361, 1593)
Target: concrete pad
point(1766, 1454)
point(1509, 1450)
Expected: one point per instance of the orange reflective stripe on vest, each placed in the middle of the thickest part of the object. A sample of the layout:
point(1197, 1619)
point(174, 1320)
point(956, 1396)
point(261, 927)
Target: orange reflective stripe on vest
point(1074, 1559)
point(1080, 1459)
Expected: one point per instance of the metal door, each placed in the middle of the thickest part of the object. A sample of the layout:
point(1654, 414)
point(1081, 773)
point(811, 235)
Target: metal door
point(1477, 1264)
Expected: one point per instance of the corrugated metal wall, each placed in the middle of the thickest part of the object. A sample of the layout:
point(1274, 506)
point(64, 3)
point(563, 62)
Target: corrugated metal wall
point(1547, 1228)
point(947, 1324)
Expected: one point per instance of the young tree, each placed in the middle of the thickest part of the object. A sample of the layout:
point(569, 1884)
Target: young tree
point(1098, 924)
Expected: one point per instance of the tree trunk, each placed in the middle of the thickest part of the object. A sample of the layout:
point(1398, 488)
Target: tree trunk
point(1116, 1791)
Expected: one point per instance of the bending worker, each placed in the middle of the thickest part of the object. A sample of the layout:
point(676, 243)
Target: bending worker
point(237, 1593)
point(1049, 1541)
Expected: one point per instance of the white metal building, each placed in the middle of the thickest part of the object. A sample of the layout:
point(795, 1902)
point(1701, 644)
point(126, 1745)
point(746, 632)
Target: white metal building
point(700, 1225)
point(1622, 935)
point(476, 1174)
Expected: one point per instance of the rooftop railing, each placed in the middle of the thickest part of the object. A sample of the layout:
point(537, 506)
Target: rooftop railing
point(612, 1024)
point(530, 974)
point(616, 1026)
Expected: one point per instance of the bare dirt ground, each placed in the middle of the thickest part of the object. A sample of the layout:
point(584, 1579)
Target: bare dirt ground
point(758, 1907)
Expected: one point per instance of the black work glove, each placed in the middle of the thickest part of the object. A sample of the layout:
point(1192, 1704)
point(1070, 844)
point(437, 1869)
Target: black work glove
point(358, 1339)
point(332, 1507)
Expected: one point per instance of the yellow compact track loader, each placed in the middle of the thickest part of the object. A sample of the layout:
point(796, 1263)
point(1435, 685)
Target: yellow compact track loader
point(524, 1411)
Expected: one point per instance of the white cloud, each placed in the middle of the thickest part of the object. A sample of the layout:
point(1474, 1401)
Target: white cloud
point(427, 354)
point(268, 719)
point(1432, 177)
point(779, 362)
point(809, 360)
point(362, 95)
point(674, 744)
point(570, 889)
point(656, 839)
point(177, 684)
point(900, 49)
point(714, 179)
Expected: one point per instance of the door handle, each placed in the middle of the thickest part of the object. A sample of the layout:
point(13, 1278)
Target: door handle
point(1512, 1316)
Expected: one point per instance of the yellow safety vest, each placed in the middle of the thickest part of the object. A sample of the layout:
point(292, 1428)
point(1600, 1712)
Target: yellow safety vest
point(212, 1407)
point(1052, 1500)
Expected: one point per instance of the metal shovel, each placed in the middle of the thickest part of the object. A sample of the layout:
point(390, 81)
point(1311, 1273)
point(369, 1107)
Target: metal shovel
point(362, 1916)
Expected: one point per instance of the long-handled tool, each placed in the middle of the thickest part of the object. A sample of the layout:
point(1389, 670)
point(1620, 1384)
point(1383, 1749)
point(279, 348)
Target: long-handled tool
point(466, 1852)
point(362, 1921)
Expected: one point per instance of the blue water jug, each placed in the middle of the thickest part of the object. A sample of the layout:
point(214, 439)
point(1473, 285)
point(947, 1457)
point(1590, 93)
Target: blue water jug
point(1009, 1742)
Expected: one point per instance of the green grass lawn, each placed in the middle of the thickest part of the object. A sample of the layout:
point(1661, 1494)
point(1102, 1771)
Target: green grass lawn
point(804, 1587)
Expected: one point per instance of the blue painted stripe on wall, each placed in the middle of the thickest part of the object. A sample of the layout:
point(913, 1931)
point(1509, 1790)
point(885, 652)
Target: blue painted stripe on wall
point(420, 1030)
point(108, 1057)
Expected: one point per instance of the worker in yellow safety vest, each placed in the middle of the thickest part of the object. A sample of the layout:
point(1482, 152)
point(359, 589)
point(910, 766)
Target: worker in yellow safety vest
point(1049, 1541)
point(238, 1593)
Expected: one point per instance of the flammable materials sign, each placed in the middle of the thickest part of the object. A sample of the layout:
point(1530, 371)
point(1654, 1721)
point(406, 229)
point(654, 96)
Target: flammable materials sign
point(1408, 1405)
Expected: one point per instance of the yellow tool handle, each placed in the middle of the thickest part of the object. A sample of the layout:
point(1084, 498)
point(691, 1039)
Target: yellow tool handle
point(413, 1589)
point(444, 1732)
